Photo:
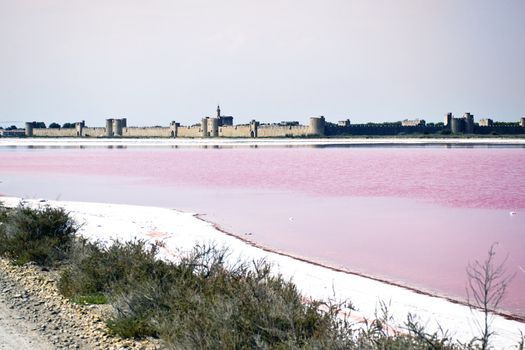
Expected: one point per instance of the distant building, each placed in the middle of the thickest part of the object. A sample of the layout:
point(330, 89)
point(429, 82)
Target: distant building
point(415, 122)
point(12, 133)
point(224, 119)
point(288, 123)
point(448, 120)
point(486, 122)
point(344, 123)
point(460, 125)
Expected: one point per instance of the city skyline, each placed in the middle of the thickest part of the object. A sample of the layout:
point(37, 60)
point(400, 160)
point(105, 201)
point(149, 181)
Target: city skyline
point(278, 60)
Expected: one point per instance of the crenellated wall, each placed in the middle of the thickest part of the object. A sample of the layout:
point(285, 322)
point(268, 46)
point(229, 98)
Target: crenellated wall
point(235, 131)
point(499, 129)
point(317, 126)
point(147, 132)
point(270, 130)
point(93, 132)
point(378, 129)
point(48, 132)
point(189, 131)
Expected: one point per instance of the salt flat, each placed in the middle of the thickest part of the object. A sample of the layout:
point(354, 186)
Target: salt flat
point(232, 142)
point(181, 231)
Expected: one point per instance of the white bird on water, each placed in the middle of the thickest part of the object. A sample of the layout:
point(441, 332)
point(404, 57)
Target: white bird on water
point(512, 213)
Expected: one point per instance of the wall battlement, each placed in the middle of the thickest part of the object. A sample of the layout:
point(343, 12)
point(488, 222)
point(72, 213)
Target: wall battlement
point(222, 126)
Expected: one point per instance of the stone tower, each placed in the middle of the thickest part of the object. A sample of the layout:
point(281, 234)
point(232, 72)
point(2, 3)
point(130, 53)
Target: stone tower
point(317, 126)
point(204, 127)
point(109, 127)
point(448, 120)
point(79, 128)
point(29, 129)
point(469, 123)
point(457, 125)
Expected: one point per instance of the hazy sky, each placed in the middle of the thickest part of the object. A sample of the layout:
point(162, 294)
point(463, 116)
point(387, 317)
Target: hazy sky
point(155, 61)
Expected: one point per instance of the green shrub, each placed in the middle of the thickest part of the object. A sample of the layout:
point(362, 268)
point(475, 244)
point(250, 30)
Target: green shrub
point(3, 214)
point(201, 302)
point(90, 299)
point(96, 269)
point(41, 235)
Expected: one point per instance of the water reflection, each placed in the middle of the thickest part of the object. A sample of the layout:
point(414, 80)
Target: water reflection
point(261, 145)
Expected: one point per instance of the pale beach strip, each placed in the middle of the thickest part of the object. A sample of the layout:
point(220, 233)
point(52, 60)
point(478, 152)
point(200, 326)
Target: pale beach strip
point(181, 231)
point(253, 142)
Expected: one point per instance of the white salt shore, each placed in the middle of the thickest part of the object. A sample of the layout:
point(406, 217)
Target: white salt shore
point(250, 142)
point(181, 231)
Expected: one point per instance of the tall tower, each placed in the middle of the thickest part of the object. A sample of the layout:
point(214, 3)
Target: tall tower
point(218, 111)
point(469, 123)
point(448, 120)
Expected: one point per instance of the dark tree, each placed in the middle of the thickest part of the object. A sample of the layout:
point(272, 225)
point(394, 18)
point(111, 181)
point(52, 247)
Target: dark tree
point(68, 126)
point(54, 126)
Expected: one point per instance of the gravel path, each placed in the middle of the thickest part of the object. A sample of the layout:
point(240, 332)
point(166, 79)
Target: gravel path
point(15, 331)
point(33, 315)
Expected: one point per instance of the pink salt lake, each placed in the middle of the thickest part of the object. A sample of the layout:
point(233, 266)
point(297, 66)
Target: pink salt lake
point(411, 215)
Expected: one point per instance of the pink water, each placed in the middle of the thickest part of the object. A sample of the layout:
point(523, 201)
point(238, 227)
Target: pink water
point(415, 216)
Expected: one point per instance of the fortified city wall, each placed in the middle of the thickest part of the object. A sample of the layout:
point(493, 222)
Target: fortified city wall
point(266, 130)
point(499, 129)
point(49, 132)
point(378, 129)
point(189, 131)
point(147, 132)
point(222, 126)
point(236, 131)
point(93, 132)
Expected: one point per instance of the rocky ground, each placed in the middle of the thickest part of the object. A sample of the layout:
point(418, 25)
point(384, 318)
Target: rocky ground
point(33, 315)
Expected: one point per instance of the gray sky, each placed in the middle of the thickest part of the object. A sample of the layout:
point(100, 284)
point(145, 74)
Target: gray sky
point(155, 61)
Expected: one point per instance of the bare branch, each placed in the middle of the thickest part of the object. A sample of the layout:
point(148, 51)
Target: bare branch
point(486, 287)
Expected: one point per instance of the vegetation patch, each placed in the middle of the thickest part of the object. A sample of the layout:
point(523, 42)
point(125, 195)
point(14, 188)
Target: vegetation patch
point(202, 301)
point(205, 303)
point(95, 299)
point(96, 269)
point(42, 235)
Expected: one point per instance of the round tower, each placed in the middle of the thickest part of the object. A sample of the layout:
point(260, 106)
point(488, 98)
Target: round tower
point(117, 127)
point(213, 128)
point(29, 129)
point(79, 126)
point(254, 125)
point(204, 127)
point(317, 126)
point(469, 123)
point(448, 119)
point(522, 122)
point(456, 125)
point(109, 127)
point(173, 129)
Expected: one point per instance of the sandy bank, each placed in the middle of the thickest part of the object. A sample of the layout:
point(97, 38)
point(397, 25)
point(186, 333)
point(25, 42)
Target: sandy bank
point(181, 231)
point(222, 142)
